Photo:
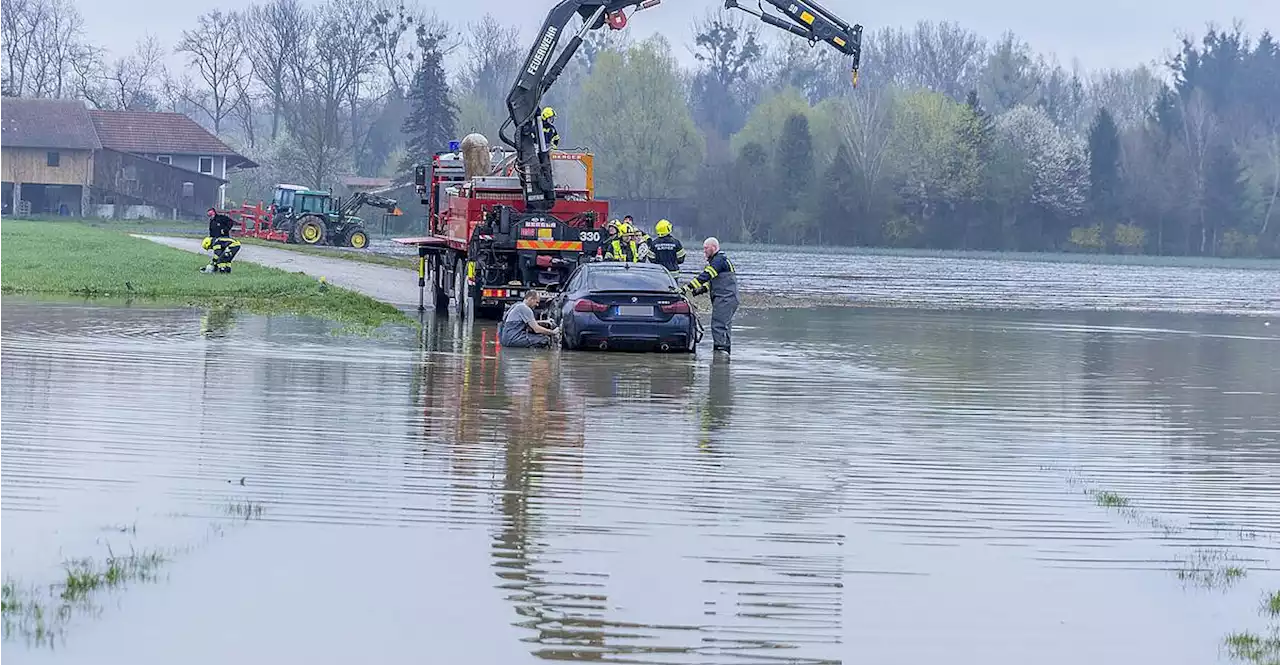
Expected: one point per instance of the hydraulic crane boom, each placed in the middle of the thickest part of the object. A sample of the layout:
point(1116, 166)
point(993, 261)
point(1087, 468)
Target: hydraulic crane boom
point(804, 18)
point(361, 199)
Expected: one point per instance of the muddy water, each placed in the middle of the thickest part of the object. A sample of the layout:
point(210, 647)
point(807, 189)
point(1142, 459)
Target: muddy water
point(858, 485)
point(971, 280)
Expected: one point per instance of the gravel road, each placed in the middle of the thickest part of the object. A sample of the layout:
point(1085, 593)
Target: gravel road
point(396, 286)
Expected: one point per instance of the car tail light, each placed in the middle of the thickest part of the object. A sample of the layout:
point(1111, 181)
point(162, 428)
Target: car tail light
point(680, 307)
point(585, 305)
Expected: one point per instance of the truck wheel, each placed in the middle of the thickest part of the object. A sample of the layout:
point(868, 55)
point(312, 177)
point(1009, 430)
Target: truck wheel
point(435, 274)
point(357, 238)
point(311, 230)
point(461, 295)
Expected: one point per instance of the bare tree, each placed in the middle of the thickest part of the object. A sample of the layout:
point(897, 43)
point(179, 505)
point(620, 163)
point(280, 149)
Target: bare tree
point(58, 35)
point(131, 82)
point(286, 25)
point(867, 125)
point(494, 54)
point(215, 50)
point(942, 57)
point(245, 112)
point(43, 47)
point(1129, 94)
point(398, 32)
point(947, 58)
point(325, 76)
point(19, 21)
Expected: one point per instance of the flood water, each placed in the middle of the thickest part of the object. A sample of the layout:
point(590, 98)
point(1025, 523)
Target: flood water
point(857, 485)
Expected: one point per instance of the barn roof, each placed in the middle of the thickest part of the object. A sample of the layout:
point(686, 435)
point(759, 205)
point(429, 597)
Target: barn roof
point(47, 123)
point(158, 133)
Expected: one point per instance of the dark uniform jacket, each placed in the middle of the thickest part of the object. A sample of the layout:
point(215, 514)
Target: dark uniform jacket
point(667, 252)
point(718, 277)
point(220, 226)
point(550, 135)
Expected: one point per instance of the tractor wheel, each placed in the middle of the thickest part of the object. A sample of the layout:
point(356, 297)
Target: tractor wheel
point(357, 238)
point(311, 230)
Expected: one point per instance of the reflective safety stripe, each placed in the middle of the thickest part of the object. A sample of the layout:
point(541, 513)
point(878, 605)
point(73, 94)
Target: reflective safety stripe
point(553, 245)
point(680, 254)
point(712, 272)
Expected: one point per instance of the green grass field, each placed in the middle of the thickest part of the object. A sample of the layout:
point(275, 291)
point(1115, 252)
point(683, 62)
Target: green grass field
point(62, 258)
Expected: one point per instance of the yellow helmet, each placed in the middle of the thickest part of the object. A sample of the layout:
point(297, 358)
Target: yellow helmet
point(208, 242)
point(663, 227)
point(548, 113)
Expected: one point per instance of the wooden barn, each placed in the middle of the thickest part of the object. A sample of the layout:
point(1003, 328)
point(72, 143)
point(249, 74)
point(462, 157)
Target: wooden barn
point(61, 159)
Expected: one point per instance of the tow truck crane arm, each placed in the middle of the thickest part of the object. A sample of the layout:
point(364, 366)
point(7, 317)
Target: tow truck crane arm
point(804, 18)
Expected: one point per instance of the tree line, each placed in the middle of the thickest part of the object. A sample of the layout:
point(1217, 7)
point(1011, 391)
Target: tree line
point(950, 141)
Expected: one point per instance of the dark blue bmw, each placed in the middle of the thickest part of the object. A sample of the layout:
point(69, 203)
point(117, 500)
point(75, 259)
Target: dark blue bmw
point(629, 306)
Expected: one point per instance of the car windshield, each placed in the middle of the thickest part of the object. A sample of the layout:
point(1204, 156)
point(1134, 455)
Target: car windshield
point(622, 279)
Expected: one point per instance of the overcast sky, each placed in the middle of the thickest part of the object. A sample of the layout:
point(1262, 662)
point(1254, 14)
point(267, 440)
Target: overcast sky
point(1100, 33)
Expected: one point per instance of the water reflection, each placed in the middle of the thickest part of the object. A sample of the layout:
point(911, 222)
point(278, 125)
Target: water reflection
point(852, 480)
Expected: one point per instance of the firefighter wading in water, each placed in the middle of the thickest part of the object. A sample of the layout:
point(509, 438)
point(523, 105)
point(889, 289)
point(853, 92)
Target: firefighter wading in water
point(720, 278)
point(220, 241)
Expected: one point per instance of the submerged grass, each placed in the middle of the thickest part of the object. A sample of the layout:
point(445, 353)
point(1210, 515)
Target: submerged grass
point(59, 258)
point(244, 509)
point(1252, 649)
point(1209, 568)
point(1110, 499)
point(41, 614)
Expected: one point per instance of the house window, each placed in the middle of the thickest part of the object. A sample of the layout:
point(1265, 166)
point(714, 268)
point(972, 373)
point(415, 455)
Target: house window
point(164, 159)
point(53, 158)
point(206, 165)
point(188, 190)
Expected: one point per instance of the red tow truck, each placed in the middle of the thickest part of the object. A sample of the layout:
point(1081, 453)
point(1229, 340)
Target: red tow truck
point(484, 249)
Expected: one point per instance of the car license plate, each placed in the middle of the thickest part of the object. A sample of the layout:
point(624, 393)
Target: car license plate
point(635, 310)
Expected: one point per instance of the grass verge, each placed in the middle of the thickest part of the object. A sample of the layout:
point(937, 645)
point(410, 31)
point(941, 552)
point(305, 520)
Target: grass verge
point(359, 255)
point(58, 258)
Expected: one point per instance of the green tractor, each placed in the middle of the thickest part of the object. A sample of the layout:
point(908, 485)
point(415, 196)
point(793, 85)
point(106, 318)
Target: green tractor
point(312, 217)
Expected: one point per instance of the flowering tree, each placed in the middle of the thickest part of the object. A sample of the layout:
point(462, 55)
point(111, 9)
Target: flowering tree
point(1043, 169)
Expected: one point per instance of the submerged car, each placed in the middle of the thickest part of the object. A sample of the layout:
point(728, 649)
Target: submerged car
point(628, 306)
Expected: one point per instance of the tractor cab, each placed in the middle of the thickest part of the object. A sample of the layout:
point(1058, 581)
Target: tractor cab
point(300, 200)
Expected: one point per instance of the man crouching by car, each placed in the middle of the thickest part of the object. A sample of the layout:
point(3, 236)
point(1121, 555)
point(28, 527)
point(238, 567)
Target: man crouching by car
point(521, 329)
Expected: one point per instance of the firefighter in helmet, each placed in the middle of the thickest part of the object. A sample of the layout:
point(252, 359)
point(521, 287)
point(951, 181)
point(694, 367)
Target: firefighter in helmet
point(549, 133)
point(666, 249)
point(219, 241)
point(644, 252)
point(618, 246)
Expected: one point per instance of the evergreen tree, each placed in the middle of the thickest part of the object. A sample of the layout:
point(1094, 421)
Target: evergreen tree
point(794, 171)
point(1225, 193)
point(1104, 174)
point(977, 133)
point(837, 200)
point(432, 114)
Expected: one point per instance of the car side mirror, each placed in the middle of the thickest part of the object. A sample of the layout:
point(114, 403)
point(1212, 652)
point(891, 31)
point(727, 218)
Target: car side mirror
point(553, 288)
